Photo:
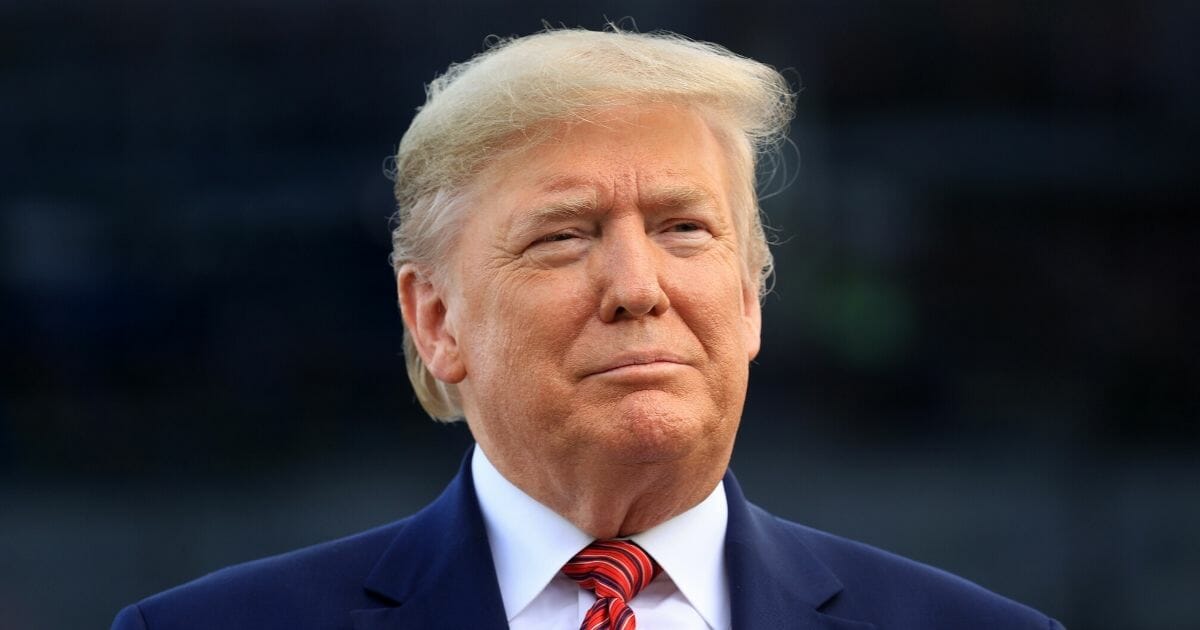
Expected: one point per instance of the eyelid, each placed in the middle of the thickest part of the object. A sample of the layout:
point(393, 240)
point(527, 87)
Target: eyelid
point(552, 236)
point(699, 224)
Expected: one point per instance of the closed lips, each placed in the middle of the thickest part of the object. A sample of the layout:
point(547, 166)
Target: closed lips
point(638, 359)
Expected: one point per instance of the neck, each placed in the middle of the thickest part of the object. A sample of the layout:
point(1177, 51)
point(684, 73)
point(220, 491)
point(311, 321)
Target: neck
point(616, 500)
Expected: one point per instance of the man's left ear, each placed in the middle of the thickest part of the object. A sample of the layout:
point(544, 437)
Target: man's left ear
point(751, 319)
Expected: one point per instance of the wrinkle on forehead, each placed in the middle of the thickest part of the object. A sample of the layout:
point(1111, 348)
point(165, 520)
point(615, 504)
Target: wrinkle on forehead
point(572, 196)
point(546, 181)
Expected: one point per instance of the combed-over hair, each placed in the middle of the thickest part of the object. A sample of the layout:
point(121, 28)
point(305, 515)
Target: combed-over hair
point(474, 111)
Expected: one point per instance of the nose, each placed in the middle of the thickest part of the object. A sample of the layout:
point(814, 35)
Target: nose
point(628, 275)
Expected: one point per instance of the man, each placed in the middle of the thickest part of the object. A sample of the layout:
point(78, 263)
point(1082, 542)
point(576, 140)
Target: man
point(579, 263)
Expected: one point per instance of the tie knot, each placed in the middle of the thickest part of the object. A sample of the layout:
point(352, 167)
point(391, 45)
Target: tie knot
point(612, 569)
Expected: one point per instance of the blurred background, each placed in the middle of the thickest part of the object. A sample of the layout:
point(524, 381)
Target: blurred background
point(978, 351)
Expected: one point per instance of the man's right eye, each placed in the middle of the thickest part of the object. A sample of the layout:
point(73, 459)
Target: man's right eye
point(556, 237)
point(558, 249)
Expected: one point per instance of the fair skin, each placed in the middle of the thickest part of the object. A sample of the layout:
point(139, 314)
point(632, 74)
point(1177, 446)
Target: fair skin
point(597, 317)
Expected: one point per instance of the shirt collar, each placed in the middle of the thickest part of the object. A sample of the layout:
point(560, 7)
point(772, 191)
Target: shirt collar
point(691, 549)
point(530, 543)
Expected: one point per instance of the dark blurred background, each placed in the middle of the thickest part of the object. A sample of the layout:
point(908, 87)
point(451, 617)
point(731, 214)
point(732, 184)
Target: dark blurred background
point(977, 354)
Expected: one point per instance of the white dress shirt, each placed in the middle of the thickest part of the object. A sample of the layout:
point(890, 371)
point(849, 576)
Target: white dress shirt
point(530, 544)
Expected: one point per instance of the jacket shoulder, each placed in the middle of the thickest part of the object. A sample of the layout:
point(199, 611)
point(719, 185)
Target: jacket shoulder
point(314, 587)
point(897, 592)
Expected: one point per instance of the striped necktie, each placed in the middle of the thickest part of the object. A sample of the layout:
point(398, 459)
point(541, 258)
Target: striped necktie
point(615, 570)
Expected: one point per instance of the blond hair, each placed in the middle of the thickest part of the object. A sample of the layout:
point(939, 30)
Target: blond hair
point(473, 112)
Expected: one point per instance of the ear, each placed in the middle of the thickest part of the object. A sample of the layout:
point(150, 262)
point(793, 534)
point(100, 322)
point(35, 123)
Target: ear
point(424, 309)
point(751, 319)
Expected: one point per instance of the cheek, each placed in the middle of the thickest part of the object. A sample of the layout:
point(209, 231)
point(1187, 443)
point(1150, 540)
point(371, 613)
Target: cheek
point(715, 305)
point(714, 313)
point(521, 324)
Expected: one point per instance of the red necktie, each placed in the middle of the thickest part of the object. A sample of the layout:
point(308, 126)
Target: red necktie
point(615, 570)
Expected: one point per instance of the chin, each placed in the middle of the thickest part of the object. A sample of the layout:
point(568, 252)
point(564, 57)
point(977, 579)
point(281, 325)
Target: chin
point(653, 426)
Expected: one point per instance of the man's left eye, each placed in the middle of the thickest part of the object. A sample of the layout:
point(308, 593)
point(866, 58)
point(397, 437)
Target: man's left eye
point(686, 226)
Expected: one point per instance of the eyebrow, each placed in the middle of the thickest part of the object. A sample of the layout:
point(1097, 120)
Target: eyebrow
point(586, 199)
point(680, 195)
point(563, 208)
point(566, 207)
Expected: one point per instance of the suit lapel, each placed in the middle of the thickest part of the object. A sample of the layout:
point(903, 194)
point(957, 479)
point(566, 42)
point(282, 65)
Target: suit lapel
point(438, 571)
point(774, 580)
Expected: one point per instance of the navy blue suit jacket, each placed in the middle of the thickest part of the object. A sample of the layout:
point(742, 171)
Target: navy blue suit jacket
point(434, 570)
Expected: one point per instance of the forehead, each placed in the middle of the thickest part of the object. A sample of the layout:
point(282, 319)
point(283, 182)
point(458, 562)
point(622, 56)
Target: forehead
point(639, 154)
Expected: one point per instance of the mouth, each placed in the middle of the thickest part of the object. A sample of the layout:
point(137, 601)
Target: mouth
point(640, 364)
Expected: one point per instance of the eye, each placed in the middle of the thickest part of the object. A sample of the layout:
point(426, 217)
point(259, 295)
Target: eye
point(557, 249)
point(685, 226)
point(556, 237)
point(684, 237)
point(561, 242)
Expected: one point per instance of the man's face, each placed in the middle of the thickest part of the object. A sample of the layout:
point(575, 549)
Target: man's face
point(598, 300)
